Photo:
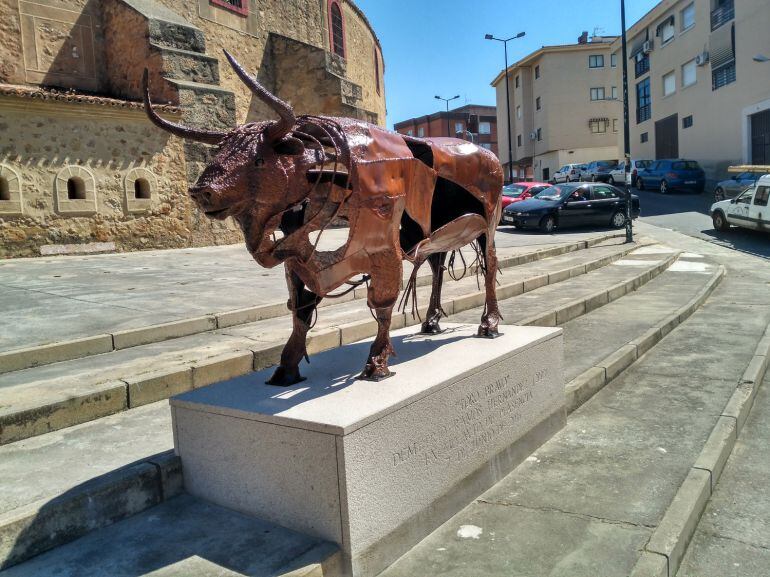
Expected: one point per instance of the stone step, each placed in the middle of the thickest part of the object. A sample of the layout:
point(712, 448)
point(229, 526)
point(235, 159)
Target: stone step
point(134, 438)
point(588, 502)
point(42, 399)
point(188, 65)
point(107, 328)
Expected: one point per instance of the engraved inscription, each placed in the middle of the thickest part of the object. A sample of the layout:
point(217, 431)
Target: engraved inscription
point(479, 416)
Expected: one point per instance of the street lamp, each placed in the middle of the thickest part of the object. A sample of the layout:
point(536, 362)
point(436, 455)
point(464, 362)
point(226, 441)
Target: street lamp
point(626, 126)
point(448, 100)
point(761, 58)
point(507, 98)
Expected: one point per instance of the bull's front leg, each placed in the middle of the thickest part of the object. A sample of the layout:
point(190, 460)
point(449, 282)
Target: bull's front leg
point(381, 298)
point(302, 304)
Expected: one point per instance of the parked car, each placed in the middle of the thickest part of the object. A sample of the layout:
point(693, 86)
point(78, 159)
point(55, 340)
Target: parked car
point(568, 173)
point(599, 170)
point(618, 174)
point(748, 210)
point(668, 175)
point(732, 187)
point(564, 205)
point(518, 191)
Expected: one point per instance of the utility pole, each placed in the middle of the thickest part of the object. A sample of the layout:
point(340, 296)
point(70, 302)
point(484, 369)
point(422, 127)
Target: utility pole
point(626, 126)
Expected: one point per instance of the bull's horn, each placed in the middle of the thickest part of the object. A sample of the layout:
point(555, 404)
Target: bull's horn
point(206, 136)
point(287, 119)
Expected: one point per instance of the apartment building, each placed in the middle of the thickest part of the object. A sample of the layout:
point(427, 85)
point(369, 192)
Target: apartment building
point(564, 107)
point(695, 88)
point(471, 122)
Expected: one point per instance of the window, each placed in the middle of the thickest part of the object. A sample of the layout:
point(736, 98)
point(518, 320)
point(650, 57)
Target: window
point(5, 189)
point(337, 29)
point(687, 121)
point(486, 145)
point(644, 137)
point(614, 92)
point(238, 6)
point(517, 81)
point(689, 73)
point(688, 17)
point(421, 132)
point(614, 125)
point(76, 188)
point(669, 84)
point(518, 140)
point(761, 197)
point(518, 112)
point(598, 126)
point(723, 76)
point(410, 132)
point(614, 60)
point(642, 64)
point(459, 127)
point(596, 61)
point(377, 69)
point(537, 103)
point(540, 134)
point(643, 101)
point(537, 71)
point(142, 188)
point(722, 13)
point(666, 30)
point(485, 128)
point(603, 193)
point(597, 93)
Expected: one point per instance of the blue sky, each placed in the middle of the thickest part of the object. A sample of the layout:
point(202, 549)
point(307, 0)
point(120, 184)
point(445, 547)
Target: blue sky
point(437, 46)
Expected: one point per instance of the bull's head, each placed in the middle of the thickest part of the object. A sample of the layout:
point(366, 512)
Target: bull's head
point(258, 172)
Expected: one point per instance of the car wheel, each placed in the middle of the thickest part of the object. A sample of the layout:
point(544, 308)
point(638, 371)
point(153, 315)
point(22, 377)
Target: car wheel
point(618, 220)
point(720, 222)
point(663, 187)
point(611, 180)
point(639, 184)
point(547, 224)
point(719, 195)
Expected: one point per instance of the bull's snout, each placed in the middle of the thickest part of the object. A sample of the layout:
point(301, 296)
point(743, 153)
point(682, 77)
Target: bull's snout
point(204, 197)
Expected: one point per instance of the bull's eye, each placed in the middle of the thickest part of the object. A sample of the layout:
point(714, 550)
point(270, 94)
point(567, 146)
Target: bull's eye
point(259, 162)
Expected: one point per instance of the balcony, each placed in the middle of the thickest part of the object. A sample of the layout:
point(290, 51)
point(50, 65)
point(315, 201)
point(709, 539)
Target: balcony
point(643, 113)
point(723, 14)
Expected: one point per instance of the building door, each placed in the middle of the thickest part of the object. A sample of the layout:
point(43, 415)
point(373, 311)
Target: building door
point(667, 137)
point(546, 174)
point(760, 138)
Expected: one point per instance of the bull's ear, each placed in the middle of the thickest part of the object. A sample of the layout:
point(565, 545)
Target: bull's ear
point(290, 146)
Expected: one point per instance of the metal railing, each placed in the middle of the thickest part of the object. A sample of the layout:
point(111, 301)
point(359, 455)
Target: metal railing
point(723, 14)
point(643, 113)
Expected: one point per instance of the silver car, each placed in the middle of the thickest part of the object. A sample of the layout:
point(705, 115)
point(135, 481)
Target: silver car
point(732, 187)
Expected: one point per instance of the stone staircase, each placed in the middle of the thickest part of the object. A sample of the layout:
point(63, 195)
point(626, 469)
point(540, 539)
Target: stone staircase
point(87, 443)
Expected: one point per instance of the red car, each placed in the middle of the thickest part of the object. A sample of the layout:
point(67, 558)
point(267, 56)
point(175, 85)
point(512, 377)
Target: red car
point(521, 191)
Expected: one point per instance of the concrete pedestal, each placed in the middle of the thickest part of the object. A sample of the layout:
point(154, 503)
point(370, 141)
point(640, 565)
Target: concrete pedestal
point(375, 467)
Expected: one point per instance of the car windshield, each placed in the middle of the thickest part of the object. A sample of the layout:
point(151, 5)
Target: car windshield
point(513, 190)
point(555, 192)
point(685, 165)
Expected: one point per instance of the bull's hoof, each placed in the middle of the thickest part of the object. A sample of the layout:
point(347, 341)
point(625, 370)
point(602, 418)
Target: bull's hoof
point(431, 328)
point(375, 373)
point(283, 377)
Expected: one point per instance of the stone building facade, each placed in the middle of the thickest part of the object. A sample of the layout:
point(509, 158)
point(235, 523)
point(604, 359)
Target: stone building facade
point(83, 169)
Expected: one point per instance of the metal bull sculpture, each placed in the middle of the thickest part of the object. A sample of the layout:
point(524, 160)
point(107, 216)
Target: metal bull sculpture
point(404, 199)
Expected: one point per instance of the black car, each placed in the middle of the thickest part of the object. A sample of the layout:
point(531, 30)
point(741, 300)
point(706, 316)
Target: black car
point(566, 205)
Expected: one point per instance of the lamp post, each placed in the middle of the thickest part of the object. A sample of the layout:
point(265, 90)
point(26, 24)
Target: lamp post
point(507, 98)
point(448, 100)
point(626, 126)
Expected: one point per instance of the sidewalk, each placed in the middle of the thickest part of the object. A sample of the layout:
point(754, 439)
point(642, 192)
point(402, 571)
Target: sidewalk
point(52, 299)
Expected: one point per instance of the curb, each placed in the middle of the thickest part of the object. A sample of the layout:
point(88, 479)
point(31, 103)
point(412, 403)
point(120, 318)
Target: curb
point(668, 544)
point(589, 382)
point(136, 390)
point(30, 357)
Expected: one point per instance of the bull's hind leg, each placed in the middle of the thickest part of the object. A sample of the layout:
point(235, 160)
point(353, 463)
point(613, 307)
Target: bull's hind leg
point(490, 319)
point(435, 312)
point(302, 304)
point(381, 298)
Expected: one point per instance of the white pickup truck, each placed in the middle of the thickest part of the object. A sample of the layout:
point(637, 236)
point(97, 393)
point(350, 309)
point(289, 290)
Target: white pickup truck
point(750, 209)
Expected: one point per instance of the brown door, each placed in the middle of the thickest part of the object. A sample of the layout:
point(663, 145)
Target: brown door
point(760, 138)
point(667, 137)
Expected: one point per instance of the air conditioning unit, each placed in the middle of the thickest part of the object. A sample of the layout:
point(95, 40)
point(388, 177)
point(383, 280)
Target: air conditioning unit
point(533, 135)
point(647, 46)
point(702, 58)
